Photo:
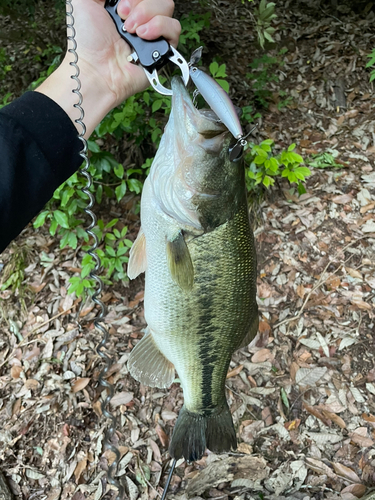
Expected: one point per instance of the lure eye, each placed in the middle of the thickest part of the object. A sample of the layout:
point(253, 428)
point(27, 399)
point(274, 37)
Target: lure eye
point(236, 152)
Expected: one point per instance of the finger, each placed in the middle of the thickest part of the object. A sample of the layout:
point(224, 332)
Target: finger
point(126, 6)
point(161, 26)
point(146, 10)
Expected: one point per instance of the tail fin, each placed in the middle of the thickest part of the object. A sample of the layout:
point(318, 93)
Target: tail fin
point(194, 432)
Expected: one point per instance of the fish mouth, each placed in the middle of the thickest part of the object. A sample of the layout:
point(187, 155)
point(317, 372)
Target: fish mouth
point(205, 121)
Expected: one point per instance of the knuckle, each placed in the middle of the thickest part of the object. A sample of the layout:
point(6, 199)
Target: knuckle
point(177, 27)
point(170, 6)
point(141, 10)
point(158, 22)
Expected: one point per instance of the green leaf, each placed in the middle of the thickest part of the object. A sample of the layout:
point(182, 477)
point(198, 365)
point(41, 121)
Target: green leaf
point(64, 240)
point(156, 105)
point(112, 223)
point(99, 194)
point(262, 5)
point(284, 398)
point(259, 160)
point(301, 189)
point(61, 218)
point(93, 146)
point(291, 147)
point(267, 181)
point(223, 84)
point(122, 251)
point(53, 227)
point(135, 185)
point(292, 177)
point(118, 265)
point(72, 242)
point(120, 191)
point(269, 142)
point(274, 165)
point(296, 158)
point(66, 195)
point(268, 12)
point(119, 171)
point(156, 134)
point(86, 270)
point(110, 251)
point(268, 37)
point(40, 220)
point(81, 233)
point(303, 170)
point(146, 98)
point(213, 68)
point(221, 72)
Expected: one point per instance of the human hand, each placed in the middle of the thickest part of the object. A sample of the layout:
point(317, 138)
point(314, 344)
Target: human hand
point(102, 51)
point(107, 77)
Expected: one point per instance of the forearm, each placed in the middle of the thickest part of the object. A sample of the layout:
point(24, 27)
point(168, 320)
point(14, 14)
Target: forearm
point(97, 101)
point(39, 150)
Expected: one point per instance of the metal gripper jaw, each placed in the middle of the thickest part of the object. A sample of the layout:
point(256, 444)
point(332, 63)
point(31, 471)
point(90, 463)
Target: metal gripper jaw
point(150, 54)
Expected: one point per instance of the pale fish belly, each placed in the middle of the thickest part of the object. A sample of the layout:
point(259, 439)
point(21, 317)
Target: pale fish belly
point(198, 330)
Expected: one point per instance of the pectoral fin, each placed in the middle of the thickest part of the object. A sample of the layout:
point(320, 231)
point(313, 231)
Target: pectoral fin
point(148, 365)
point(179, 262)
point(137, 256)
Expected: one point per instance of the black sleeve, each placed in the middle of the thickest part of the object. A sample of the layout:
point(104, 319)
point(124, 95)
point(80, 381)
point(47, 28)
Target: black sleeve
point(39, 150)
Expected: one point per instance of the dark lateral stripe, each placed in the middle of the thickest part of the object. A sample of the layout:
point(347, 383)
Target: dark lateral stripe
point(207, 343)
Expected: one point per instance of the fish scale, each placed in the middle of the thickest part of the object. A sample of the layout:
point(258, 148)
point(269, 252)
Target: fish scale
point(197, 249)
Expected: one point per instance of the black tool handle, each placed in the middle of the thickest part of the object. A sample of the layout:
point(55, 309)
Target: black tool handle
point(151, 54)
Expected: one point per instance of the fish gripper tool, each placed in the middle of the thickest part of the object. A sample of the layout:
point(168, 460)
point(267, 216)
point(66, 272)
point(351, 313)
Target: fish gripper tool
point(152, 55)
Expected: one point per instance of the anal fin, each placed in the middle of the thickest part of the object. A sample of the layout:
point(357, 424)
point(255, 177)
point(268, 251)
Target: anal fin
point(148, 365)
point(137, 256)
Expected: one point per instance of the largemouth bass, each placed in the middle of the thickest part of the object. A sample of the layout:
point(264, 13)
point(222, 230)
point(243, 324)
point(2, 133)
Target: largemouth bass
point(197, 249)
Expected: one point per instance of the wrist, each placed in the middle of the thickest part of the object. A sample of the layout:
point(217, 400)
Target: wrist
point(98, 99)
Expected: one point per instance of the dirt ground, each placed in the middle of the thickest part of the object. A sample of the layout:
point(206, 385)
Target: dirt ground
point(302, 394)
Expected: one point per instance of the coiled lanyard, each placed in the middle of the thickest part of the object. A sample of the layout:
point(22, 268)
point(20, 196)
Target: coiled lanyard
point(98, 321)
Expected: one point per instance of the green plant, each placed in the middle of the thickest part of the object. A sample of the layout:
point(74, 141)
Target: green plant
point(113, 256)
point(371, 64)
point(191, 26)
point(219, 72)
point(4, 67)
point(52, 54)
point(264, 15)
point(283, 103)
point(6, 100)
point(324, 160)
point(262, 74)
point(247, 114)
point(264, 167)
point(13, 274)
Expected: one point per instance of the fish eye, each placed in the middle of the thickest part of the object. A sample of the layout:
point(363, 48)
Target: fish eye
point(236, 152)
